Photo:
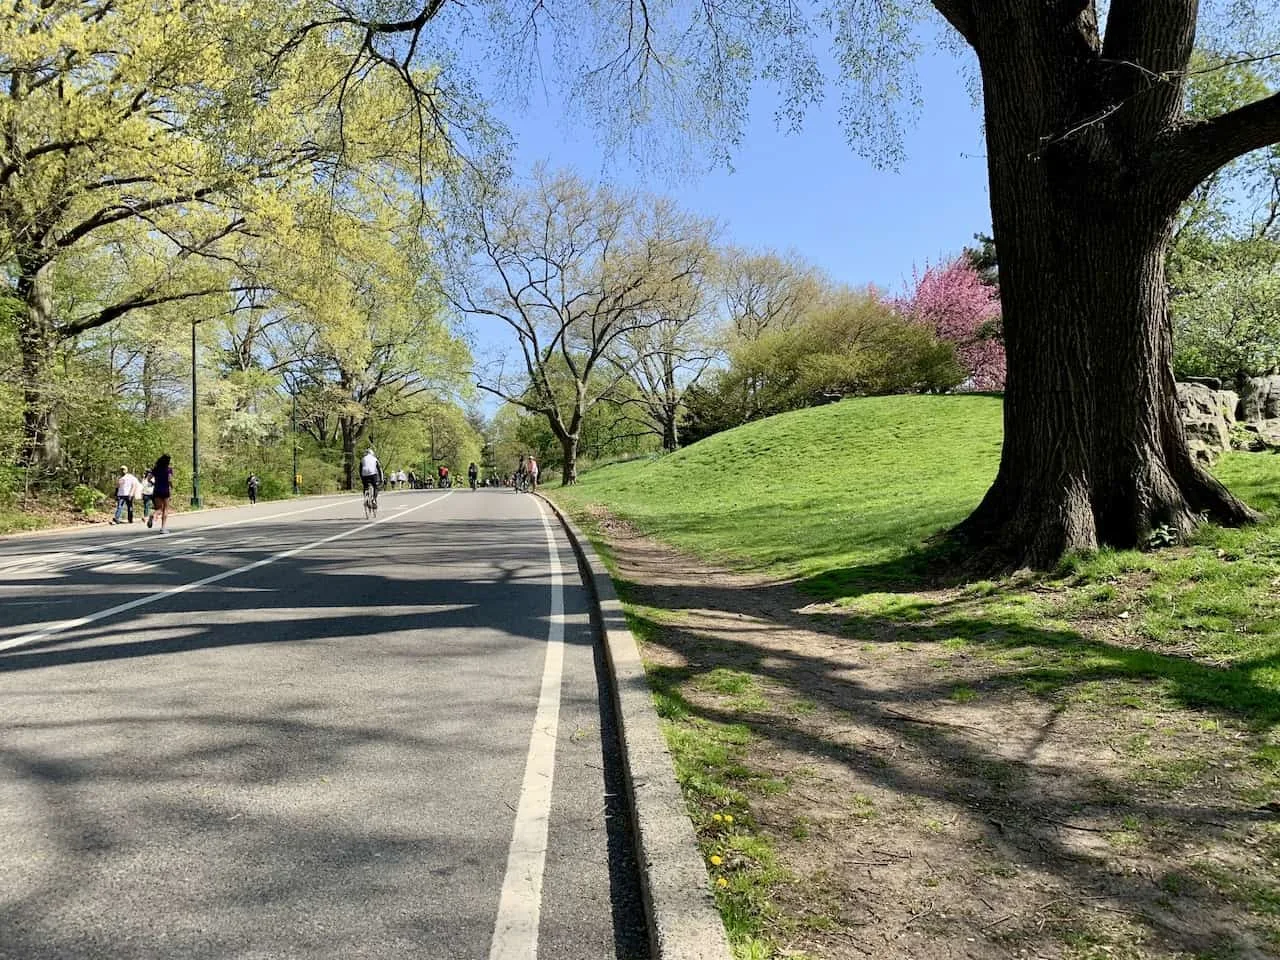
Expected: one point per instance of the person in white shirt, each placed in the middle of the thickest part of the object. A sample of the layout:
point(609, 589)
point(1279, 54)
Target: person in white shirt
point(370, 472)
point(126, 488)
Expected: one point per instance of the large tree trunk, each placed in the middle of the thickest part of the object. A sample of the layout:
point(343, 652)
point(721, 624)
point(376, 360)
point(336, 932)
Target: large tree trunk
point(42, 440)
point(670, 429)
point(1094, 449)
point(569, 445)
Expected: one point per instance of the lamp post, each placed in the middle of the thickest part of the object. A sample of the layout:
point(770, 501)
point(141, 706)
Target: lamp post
point(294, 393)
point(195, 428)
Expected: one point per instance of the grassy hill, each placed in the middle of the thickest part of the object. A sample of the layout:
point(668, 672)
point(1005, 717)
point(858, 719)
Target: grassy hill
point(852, 484)
point(1082, 765)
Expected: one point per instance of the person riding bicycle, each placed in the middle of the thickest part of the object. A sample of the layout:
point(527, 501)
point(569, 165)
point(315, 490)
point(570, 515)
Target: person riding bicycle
point(473, 474)
point(370, 472)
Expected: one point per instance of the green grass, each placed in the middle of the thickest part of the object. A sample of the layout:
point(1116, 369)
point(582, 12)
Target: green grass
point(812, 491)
point(842, 499)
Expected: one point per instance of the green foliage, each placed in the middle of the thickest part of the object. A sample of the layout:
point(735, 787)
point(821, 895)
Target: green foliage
point(86, 499)
point(853, 345)
point(1224, 268)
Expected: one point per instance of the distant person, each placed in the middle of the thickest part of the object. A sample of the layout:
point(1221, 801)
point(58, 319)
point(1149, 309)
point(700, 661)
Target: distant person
point(253, 483)
point(413, 480)
point(148, 490)
point(444, 476)
point(163, 474)
point(127, 486)
point(473, 474)
point(532, 467)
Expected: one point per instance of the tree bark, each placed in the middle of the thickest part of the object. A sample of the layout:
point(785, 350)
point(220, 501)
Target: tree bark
point(1094, 448)
point(569, 445)
point(41, 434)
point(670, 430)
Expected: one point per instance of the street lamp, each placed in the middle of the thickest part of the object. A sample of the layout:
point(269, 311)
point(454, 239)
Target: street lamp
point(294, 393)
point(195, 428)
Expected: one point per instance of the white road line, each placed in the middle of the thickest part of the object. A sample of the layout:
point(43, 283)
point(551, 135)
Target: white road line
point(515, 936)
point(140, 538)
point(203, 582)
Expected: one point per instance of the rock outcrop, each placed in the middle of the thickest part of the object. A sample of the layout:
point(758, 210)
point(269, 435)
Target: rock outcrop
point(1208, 415)
point(1260, 399)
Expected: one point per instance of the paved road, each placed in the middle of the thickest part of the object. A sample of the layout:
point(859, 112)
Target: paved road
point(284, 732)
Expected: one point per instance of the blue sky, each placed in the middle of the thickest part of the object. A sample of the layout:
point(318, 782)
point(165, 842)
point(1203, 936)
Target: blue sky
point(810, 191)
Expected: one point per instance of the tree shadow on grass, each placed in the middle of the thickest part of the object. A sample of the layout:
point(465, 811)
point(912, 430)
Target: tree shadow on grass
point(1022, 802)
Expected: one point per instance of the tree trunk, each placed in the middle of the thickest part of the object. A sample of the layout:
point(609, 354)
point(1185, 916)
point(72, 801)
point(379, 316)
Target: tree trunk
point(1094, 448)
point(41, 435)
point(569, 444)
point(670, 431)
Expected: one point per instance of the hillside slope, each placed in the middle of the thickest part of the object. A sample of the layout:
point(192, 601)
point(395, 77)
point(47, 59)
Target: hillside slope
point(854, 482)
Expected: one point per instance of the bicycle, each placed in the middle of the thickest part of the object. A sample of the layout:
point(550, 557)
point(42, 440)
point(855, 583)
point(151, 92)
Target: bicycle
point(370, 502)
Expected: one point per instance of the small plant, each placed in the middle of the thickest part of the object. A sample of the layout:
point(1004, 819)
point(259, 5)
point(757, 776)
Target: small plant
point(86, 499)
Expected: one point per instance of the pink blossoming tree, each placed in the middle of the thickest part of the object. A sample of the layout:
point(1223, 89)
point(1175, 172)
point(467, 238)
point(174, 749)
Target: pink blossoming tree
point(955, 303)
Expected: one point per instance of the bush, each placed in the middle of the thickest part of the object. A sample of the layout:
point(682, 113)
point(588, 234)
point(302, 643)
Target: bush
point(87, 499)
point(856, 345)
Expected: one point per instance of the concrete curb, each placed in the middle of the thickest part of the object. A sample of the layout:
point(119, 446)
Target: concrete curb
point(683, 921)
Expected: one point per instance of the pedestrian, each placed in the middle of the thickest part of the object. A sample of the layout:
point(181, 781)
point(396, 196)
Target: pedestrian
point(532, 467)
point(148, 489)
point(473, 473)
point(163, 490)
point(413, 481)
point(126, 487)
point(253, 484)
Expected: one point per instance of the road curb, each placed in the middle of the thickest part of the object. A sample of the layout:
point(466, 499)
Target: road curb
point(683, 921)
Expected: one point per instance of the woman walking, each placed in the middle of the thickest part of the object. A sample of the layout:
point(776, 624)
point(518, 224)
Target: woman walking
point(162, 475)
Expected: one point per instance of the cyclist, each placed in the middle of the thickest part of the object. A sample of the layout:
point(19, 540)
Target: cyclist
point(370, 473)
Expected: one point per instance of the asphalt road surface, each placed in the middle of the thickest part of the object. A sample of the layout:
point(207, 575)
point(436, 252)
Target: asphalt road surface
point(282, 731)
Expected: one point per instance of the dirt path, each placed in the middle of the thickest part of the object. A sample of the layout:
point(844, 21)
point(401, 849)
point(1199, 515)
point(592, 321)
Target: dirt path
point(926, 798)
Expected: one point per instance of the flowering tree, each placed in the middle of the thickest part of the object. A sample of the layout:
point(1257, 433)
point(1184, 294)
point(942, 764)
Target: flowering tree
point(958, 307)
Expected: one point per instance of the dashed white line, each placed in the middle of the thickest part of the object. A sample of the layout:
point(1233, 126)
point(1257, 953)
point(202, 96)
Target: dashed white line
point(203, 582)
point(141, 538)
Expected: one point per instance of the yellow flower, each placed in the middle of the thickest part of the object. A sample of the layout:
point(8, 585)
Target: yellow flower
point(716, 817)
point(722, 882)
point(715, 860)
point(728, 818)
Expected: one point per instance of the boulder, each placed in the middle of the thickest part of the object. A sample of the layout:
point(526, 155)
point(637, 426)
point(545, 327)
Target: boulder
point(1260, 399)
point(1208, 416)
point(1260, 435)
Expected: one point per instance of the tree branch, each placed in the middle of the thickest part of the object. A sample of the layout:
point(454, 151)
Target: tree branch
point(1195, 151)
point(958, 13)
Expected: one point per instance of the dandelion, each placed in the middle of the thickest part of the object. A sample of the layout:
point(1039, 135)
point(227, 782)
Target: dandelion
point(715, 860)
point(728, 818)
point(722, 882)
point(716, 817)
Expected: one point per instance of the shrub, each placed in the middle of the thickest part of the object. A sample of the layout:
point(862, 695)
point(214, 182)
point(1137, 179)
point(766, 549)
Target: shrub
point(87, 499)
